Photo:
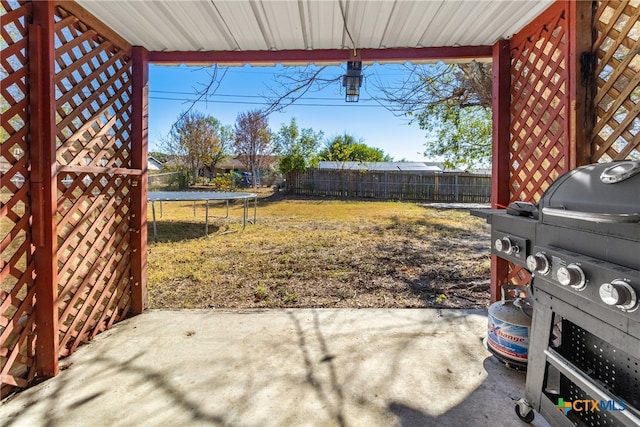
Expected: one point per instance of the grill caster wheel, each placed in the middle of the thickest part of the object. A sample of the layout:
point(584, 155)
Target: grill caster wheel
point(524, 411)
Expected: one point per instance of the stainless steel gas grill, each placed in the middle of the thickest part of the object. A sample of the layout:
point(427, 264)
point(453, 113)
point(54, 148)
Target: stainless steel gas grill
point(581, 243)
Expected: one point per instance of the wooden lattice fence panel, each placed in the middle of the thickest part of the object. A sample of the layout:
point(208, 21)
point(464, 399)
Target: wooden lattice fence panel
point(539, 149)
point(93, 116)
point(17, 314)
point(617, 100)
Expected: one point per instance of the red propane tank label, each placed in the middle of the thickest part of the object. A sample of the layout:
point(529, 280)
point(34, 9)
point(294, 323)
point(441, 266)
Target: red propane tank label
point(508, 339)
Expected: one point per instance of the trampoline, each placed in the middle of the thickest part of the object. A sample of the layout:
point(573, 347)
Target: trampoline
point(201, 196)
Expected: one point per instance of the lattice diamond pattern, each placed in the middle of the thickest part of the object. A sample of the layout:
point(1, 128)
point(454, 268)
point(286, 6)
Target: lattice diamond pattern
point(17, 314)
point(93, 254)
point(93, 97)
point(538, 110)
point(617, 101)
point(93, 115)
point(538, 115)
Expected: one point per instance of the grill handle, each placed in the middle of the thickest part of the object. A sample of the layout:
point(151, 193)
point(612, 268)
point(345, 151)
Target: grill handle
point(602, 218)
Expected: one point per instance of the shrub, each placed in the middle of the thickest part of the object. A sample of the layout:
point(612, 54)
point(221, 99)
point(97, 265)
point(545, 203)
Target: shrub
point(226, 182)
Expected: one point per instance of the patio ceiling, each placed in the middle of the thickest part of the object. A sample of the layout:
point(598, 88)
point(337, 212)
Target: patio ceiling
point(279, 25)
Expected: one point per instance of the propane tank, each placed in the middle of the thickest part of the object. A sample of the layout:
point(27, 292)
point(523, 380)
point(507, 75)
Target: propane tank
point(509, 324)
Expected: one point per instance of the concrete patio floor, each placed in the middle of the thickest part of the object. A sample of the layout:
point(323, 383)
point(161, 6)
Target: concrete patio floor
point(299, 367)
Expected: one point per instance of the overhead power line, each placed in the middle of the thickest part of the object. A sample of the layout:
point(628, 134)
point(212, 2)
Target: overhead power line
point(297, 104)
point(229, 95)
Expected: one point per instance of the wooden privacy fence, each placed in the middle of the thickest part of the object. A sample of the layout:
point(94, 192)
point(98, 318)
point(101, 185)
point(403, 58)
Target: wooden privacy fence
point(433, 187)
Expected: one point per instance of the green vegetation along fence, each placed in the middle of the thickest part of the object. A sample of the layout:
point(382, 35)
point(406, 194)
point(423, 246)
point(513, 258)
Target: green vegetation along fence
point(441, 187)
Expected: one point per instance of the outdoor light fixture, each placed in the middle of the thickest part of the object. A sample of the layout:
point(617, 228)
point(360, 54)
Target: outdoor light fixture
point(352, 81)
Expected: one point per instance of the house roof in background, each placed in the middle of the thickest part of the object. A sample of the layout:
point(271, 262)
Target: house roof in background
point(153, 164)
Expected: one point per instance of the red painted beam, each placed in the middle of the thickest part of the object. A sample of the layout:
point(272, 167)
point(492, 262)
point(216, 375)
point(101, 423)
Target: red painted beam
point(500, 149)
point(139, 154)
point(320, 55)
point(43, 184)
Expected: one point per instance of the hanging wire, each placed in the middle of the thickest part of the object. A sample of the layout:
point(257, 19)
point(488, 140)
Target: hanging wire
point(346, 28)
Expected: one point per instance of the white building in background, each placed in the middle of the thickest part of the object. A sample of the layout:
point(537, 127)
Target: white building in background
point(153, 164)
point(418, 167)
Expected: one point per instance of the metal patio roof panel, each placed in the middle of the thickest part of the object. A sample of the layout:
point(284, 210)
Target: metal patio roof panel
point(327, 28)
point(227, 25)
point(464, 16)
point(285, 36)
point(408, 23)
point(203, 28)
point(244, 25)
point(366, 22)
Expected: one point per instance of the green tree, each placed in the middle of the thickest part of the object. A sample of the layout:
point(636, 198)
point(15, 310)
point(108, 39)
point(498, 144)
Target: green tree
point(252, 141)
point(200, 140)
point(460, 136)
point(346, 148)
point(452, 102)
point(296, 147)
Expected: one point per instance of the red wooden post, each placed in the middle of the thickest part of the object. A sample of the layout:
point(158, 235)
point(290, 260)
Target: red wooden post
point(139, 154)
point(500, 149)
point(44, 184)
point(581, 84)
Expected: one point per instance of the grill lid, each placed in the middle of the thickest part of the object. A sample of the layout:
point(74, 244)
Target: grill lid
point(601, 193)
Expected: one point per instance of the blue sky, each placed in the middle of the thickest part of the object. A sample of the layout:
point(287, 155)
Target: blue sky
point(243, 89)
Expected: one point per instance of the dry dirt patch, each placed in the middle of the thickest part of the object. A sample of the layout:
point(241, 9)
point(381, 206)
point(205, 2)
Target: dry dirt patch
point(321, 253)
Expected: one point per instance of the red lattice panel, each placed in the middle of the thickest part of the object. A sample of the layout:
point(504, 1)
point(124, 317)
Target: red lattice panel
point(93, 116)
point(17, 314)
point(538, 152)
point(617, 100)
point(538, 108)
point(93, 255)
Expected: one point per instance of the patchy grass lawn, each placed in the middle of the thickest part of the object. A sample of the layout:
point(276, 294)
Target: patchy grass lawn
point(320, 253)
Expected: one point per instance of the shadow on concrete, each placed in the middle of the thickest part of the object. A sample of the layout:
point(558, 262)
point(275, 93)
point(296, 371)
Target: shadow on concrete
point(335, 410)
point(279, 368)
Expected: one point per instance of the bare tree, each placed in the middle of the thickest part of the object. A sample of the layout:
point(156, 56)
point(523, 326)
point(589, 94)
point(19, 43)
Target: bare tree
point(290, 87)
point(252, 141)
point(463, 85)
point(205, 90)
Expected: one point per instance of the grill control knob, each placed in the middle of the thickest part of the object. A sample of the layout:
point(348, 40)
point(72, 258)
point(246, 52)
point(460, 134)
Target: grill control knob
point(538, 263)
point(572, 275)
point(505, 245)
point(620, 294)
